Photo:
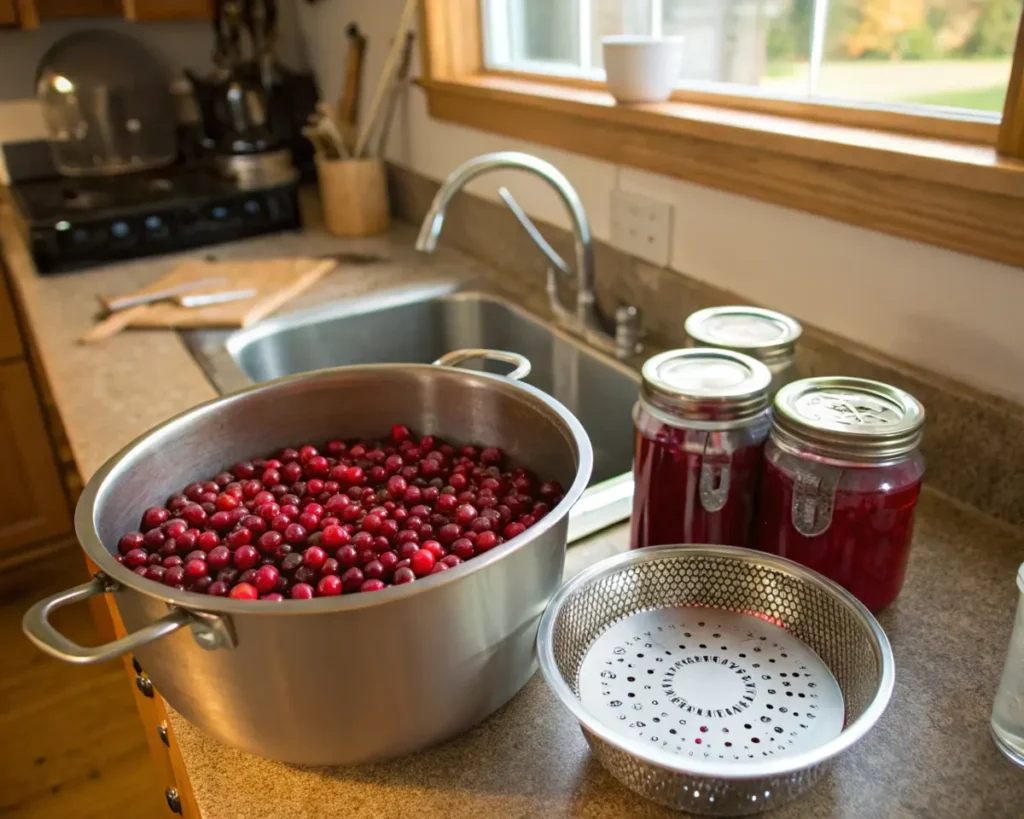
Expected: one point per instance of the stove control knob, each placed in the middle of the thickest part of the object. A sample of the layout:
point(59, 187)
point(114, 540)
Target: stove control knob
point(154, 223)
point(119, 230)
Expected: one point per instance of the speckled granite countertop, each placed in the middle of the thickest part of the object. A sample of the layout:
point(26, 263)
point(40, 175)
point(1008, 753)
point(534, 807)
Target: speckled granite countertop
point(929, 757)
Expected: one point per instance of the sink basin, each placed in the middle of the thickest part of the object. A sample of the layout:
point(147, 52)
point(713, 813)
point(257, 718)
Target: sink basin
point(420, 324)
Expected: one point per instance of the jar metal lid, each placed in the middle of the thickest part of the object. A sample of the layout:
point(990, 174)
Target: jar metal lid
point(848, 419)
point(706, 384)
point(761, 334)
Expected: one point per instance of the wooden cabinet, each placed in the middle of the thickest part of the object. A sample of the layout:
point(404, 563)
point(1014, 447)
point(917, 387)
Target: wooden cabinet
point(142, 10)
point(33, 506)
point(29, 13)
point(8, 13)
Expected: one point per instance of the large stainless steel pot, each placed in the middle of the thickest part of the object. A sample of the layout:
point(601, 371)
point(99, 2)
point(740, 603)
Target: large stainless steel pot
point(352, 678)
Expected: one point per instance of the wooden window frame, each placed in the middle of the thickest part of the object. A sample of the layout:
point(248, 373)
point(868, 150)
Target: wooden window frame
point(954, 184)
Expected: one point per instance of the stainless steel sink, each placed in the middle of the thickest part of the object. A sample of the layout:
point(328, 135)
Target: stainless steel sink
point(419, 324)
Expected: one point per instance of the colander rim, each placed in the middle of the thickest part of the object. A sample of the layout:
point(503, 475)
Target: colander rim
point(708, 768)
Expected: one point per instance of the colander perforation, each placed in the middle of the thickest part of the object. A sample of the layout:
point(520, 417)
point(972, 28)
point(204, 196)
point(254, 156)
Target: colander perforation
point(818, 666)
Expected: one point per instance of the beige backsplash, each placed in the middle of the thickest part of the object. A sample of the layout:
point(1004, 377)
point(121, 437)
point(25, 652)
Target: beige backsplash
point(974, 442)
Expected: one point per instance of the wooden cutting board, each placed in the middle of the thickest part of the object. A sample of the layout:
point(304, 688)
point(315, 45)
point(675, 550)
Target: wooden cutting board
point(275, 281)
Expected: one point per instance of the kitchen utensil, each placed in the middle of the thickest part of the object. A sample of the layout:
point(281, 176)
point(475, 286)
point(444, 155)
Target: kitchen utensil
point(332, 130)
point(107, 105)
point(680, 662)
point(387, 76)
point(354, 195)
point(118, 303)
point(443, 652)
point(275, 281)
point(348, 103)
point(400, 82)
point(642, 69)
point(1008, 709)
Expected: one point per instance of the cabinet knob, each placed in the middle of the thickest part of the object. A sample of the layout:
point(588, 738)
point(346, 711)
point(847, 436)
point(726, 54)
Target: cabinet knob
point(173, 800)
point(144, 684)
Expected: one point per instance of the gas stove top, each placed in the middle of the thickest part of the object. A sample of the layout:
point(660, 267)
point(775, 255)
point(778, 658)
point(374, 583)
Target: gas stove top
point(76, 223)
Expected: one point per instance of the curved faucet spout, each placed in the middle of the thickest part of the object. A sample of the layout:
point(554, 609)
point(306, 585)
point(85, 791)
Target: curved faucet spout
point(586, 308)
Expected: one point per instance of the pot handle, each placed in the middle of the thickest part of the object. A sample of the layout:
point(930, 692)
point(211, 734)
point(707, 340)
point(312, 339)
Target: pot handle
point(521, 362)
point(40, 631)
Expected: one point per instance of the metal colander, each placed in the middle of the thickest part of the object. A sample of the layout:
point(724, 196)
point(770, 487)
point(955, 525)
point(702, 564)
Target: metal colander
point(714, 679)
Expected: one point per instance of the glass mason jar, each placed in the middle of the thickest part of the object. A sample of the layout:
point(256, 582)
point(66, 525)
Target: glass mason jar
point(841, 478)
point(700, 425)
point(768, 336)
point(1008, 710)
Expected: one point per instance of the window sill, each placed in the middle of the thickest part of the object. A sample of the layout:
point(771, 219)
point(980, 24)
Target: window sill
point(957, 195)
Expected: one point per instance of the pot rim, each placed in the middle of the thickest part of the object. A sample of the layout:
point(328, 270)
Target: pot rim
point(91, 544)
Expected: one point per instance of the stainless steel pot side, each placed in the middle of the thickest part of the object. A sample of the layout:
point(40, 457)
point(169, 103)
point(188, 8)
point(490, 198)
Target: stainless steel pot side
point(289, 680)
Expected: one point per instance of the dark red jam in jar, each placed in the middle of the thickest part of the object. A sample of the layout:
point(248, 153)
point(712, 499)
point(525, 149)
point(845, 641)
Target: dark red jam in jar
point(841, 478)
point(701, 422)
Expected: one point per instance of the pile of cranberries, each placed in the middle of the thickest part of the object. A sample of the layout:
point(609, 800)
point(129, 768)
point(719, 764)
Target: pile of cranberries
point(356, 517)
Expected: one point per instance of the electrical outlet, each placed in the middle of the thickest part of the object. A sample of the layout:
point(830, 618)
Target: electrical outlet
point(642, 226)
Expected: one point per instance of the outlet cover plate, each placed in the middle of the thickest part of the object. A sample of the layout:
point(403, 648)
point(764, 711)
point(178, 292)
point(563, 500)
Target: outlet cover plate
point(642, 226)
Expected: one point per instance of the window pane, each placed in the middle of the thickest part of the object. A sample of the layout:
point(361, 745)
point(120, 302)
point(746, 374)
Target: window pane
point(547, 30)
point(616, 17)
point(751, 42)
point(935, 52)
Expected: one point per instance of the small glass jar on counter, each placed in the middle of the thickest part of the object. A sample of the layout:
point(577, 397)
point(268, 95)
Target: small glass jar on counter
point(1008, 709)
point(700, 426)
point(841, 478)
point(768, 336)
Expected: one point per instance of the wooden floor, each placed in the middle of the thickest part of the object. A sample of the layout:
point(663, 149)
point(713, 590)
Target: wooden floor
point(71, 743)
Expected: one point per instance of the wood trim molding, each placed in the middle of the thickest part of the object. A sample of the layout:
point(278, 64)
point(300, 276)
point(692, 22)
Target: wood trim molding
point(957, 196)
point(1011, 132)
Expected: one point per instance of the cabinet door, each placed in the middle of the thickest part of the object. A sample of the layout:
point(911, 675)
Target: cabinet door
point(10, 337)
point(33, 506)
point(166, 9)
point(8, 13)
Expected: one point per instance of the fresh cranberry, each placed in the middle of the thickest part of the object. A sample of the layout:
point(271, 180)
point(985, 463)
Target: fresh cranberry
point(399, 433)
point(333, 537)
point(421, 562)
point(331, 566)
point(449, 533)
point(352, 579)
point(407, 550)
point(404, 575)
point(309, 521)
point(314, 557)
point(354, 475)
point(389, 528)
point(248, 576)
point(136, 557)
point(153, 517)
point(155, 573)
point(465, 514)
point(175, 503)
point(269, 541)
point(295, 534)
point(133, 540)
point(389, 560)
point(318, 466)
point(218, 557)
point(171, 561)
point(439, 567)
point(362, 540)
point(271, 478)
point(446, 504)
point(432, 546)
point(154, 539)
point(302, 591)
point(266, 578)
point(513, 529)
point(174, 527)
point(346, 556)
point(374, 569)
point(291, 472)
point(207, 540)
point(458, 481)
point(243, 591)
point(486, 541)
point(195, 569)
point(290, 562)
point(463, 547)
point(194, 515)
point(451, 561)
point(225, 502)
point(245, 557)
point(218, 588)
point(174, 576)
point(304, 574)
point(273, 596)
point(373, 585)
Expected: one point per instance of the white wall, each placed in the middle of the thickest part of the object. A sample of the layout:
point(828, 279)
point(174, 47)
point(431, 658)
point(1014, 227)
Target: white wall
point(954, 314)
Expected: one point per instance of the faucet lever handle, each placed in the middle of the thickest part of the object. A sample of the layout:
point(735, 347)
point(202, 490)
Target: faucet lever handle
point(532, 231)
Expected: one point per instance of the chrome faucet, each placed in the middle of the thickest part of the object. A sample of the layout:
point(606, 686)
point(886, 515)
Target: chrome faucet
point(620, 337)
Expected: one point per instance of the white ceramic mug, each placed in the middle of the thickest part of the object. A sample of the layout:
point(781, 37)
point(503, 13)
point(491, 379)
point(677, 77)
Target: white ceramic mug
point(642, 69)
